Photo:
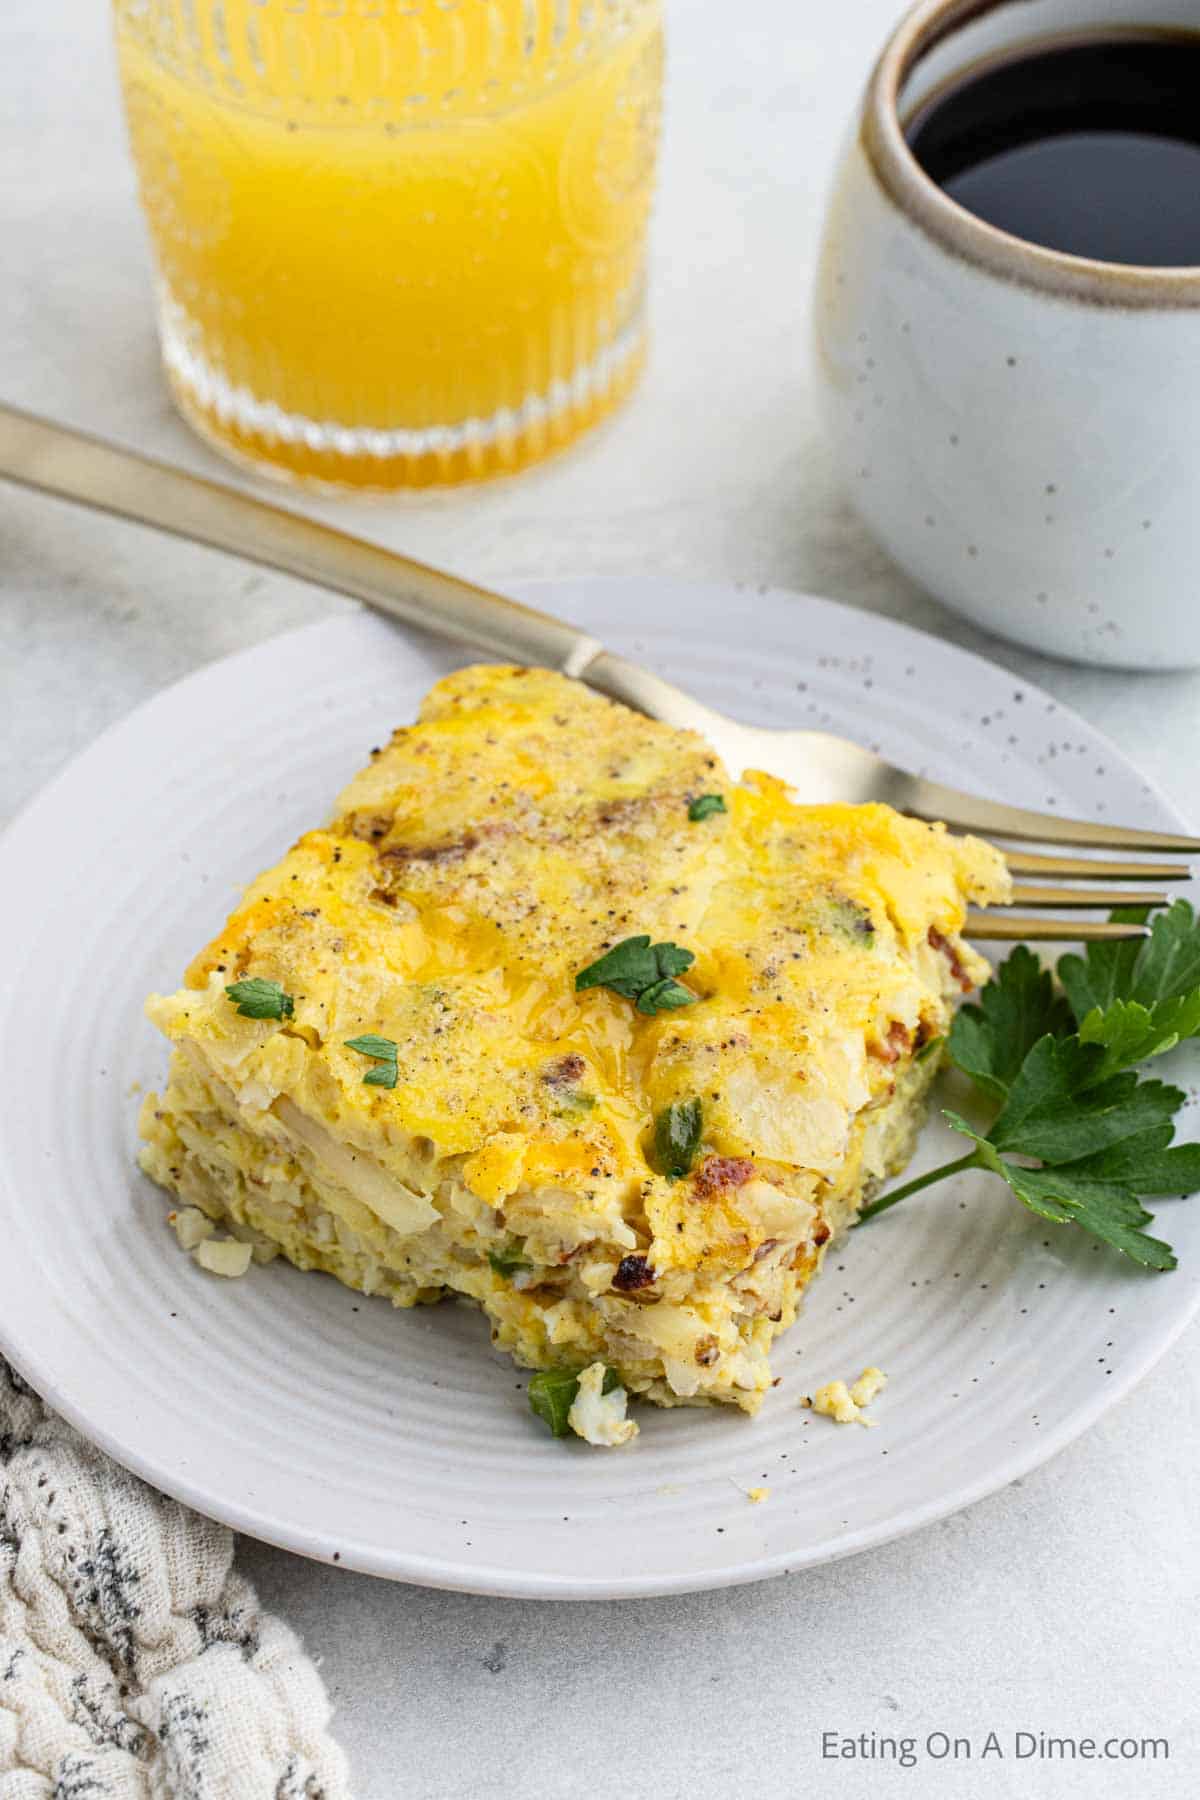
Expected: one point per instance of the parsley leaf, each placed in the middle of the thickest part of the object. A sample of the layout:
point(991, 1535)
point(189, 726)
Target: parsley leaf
point(677, 1132)
point(1081, 1137)
point(627, 968)
point(385, 1074)
point(1132, 1033)
point(989, 1042)
point(1058, 1109)
point(370, 1045)
point(672, 960)
point(552, 1395)
point(663, 996)
point(705, 805)
point(1161, 968)
point(1148, 1164)
point(260, 999)
point(643, 972)
point(1106, 973)
point(506, 1263)
point(1141, 997)
point(1109, 1210)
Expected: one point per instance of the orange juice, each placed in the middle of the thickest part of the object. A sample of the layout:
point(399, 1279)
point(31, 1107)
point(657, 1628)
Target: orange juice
point(398, 241)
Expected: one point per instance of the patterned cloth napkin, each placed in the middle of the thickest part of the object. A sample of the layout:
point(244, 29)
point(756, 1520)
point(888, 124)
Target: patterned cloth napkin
point(135, 1663)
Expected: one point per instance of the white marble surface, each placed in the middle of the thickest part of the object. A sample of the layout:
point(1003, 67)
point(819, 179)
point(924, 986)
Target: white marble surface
point(1066, 1604)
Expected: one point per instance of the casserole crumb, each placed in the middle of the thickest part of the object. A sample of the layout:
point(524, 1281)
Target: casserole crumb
point(844, 1405)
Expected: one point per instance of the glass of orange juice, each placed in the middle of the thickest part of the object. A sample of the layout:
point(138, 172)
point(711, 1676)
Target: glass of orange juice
point(398, 242)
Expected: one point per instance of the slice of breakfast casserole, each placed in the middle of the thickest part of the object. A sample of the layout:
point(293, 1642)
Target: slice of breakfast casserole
point(555, 1015)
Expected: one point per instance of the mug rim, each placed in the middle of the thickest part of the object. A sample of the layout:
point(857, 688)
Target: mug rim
point(963, 233)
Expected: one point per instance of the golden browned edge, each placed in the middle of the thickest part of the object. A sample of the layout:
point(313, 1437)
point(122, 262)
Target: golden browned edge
point(908, 187)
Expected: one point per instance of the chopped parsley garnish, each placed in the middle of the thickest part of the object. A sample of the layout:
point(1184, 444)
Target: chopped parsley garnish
point(507, 1263)
point(677, 1132)
point(705, 805)
point(260, 999)
point(1080, 1137)
point(370, 1045)
point(642, 972)
point(382, 1075)
point(664, 996)
point(552, 1395)
point(385, 1073)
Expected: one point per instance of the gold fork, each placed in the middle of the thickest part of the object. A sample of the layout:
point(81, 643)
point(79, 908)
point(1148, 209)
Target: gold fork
point(819, 766)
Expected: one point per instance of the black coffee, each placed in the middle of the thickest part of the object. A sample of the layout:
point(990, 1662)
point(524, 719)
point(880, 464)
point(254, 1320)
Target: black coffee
point(1091, 147)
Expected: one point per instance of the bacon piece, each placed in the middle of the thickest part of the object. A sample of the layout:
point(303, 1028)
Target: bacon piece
point(717, 1174)
point(564, 1070)
point(633, 1272)
point(897, 1043)
point(938, 942)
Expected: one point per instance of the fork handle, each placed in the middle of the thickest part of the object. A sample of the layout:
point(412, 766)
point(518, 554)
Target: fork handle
point(74, 466)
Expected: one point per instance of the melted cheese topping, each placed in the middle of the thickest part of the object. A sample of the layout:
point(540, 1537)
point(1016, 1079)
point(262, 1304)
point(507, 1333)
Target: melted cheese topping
point(503, 843)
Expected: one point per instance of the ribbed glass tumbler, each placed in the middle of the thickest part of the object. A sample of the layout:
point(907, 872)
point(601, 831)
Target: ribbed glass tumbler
point(398, 242)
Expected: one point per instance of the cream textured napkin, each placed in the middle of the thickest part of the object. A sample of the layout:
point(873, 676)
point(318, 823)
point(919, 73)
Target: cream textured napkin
point(135, 1663)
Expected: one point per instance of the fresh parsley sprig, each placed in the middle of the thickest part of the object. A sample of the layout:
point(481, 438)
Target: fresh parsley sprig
point(384, 1052)
point(1080, 1137)
point(642, 972)
point(257, 998)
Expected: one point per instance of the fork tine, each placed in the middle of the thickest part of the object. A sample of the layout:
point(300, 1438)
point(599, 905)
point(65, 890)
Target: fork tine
point(1100, 899)
point(930, 800)
point(1027, 862)
point(1002, 928)
point(826, 769)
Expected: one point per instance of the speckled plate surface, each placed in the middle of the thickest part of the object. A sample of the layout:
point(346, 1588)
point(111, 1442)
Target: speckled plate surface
point(398, 1443)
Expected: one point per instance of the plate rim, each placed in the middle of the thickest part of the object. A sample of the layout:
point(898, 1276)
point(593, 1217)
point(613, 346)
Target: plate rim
point(473, 1577)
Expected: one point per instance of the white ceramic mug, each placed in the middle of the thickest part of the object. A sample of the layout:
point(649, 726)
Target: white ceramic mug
point(1020, 428)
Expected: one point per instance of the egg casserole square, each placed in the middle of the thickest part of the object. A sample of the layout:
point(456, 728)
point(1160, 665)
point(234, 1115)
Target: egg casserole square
point(561, 1018)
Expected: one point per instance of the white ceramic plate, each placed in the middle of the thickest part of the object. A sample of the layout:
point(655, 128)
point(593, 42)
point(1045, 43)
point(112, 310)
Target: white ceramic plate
point(398, 1442)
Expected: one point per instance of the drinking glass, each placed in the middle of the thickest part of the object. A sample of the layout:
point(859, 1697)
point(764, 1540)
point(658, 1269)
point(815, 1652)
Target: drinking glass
point(398, 242)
